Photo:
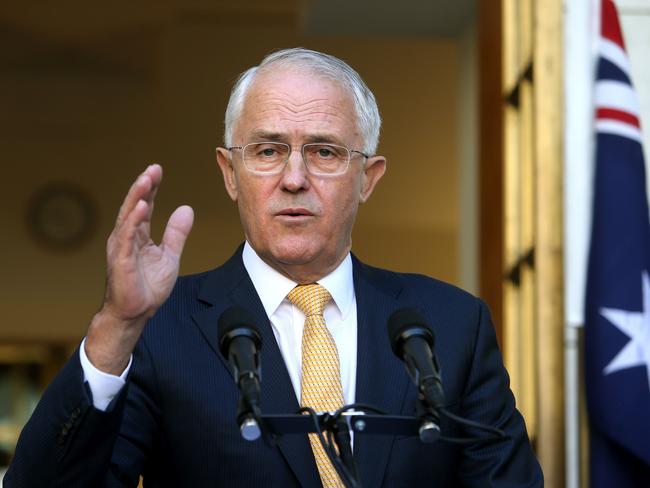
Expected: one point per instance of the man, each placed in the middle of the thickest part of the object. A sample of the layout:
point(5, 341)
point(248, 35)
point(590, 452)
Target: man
point(159, 401)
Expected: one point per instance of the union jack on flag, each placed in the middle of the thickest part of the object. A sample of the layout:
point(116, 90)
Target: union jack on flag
point(617, 314)
point(617, 107)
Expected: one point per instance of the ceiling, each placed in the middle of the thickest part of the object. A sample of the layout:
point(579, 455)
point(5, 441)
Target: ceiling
point(120, 38)
point(79, 21)
point(388, 18)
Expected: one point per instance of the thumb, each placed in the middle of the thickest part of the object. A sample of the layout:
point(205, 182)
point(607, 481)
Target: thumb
point(178, 228)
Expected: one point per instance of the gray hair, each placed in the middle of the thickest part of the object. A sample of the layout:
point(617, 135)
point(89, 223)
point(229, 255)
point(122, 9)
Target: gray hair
point(330, 67)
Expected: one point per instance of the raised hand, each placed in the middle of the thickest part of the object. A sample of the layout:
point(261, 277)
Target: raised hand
point(140, 274)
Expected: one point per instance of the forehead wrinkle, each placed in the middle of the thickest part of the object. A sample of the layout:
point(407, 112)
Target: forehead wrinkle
point(316, 116)
point(311, 108)
point(282, 100)
point(324, 137)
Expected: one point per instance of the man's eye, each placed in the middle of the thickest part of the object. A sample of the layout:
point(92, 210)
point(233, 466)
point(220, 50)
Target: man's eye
point(268, 152)
point(324, 152)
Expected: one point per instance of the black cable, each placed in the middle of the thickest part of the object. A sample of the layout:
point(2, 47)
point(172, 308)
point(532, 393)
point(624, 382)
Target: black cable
point(362, 407)
point(343, 439)
point(342, 471)
point(350, 480)
point(466, 441)
point(339, 434)
point(498, 433)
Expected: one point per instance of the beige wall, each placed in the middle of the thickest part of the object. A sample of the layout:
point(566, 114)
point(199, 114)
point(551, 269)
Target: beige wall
point(98, 117)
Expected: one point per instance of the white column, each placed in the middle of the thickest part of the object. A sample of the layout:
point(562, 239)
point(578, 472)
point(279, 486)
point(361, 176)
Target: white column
point(581, 41)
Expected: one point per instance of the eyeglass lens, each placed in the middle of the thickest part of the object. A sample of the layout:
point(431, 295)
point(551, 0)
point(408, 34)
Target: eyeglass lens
point(270, 157)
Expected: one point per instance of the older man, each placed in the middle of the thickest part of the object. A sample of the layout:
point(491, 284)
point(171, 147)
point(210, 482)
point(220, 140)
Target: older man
point(301, 133)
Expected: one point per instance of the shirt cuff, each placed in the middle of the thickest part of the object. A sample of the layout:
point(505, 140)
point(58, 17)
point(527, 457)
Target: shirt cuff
point(103, 386)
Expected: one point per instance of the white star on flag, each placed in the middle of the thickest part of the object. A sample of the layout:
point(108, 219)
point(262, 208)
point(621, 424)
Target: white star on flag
point(635, 325)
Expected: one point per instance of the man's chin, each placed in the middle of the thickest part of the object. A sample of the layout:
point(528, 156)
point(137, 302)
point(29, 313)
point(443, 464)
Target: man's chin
point(293, 257)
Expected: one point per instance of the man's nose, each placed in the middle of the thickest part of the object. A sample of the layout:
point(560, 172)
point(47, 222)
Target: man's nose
point(295, 176)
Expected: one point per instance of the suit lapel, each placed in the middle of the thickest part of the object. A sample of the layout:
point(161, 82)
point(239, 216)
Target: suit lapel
point(381, 380)
point(229, 286)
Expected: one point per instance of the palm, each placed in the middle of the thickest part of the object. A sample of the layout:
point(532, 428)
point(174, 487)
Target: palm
point(158, 274)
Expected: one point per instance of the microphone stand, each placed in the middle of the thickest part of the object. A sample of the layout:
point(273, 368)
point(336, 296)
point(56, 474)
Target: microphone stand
point(343, 440)
point(249, 413)
point(428, 419)
point(425, 425)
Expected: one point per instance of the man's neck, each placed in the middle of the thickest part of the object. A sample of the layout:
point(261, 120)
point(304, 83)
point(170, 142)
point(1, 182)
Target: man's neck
point(273, 286)
point(306, 273)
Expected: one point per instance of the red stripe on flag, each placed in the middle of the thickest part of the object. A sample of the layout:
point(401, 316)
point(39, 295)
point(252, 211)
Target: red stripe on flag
point(613, 114)
point(610, 27)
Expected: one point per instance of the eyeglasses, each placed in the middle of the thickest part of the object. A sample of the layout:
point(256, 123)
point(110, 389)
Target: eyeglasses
point(270, 158)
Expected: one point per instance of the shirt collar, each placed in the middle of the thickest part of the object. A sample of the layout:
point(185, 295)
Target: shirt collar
point(273, 287)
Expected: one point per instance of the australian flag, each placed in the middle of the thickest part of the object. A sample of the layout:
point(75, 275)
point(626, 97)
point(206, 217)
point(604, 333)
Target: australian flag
point(617, 320)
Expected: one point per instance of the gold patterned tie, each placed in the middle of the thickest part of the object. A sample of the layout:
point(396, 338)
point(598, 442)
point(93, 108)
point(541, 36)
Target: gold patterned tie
point(321, 376)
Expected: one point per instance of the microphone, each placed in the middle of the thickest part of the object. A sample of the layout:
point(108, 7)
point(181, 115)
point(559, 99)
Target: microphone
point(240, 343)
point(412, 341)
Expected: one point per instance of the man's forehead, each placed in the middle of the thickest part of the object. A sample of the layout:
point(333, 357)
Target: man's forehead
point(296, 83)
point(287, 100)
point(324, 136)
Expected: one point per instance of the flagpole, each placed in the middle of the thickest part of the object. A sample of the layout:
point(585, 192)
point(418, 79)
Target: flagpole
point(581, 29)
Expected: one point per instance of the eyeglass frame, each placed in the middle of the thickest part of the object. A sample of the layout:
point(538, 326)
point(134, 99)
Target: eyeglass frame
point(302, 149)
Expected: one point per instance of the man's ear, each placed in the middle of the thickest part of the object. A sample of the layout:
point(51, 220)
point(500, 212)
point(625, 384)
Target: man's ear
point(225, 164)
point(373, 170)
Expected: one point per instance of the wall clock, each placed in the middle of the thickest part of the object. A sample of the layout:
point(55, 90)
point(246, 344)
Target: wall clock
point(61, 216)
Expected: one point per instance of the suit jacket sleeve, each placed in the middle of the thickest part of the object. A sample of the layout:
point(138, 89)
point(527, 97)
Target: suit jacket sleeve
point(488, 399)
point(69, 443)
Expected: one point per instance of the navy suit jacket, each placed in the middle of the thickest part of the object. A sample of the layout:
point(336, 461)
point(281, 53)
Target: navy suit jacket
point(174, 422)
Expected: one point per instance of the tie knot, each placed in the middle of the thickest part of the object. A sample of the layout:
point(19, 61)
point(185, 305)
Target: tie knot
point(311, 299)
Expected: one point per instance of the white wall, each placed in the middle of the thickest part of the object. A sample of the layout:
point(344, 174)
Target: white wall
point(468, 236)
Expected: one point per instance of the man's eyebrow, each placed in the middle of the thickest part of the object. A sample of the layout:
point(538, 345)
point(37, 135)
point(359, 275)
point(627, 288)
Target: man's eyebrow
point(327, 138)
point(263, 135)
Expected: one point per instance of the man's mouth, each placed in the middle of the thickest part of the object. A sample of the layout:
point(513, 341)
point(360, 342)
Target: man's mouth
point(295, 212)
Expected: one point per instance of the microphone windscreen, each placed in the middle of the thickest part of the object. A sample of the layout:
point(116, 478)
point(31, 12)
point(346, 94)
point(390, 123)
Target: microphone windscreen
point(236, 322)
point(407, 320)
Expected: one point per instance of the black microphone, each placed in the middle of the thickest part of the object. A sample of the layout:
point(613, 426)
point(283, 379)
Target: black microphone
point(412, 341)
point(240, 343)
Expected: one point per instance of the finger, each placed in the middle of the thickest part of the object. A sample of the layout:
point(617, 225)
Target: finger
point(177, 230)
point(128, 234)
point(140, 187)
point(155, 173)
point(143, 187)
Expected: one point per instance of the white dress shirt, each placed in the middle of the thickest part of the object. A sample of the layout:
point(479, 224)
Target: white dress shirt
point(103, 386)
point(287, 322)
